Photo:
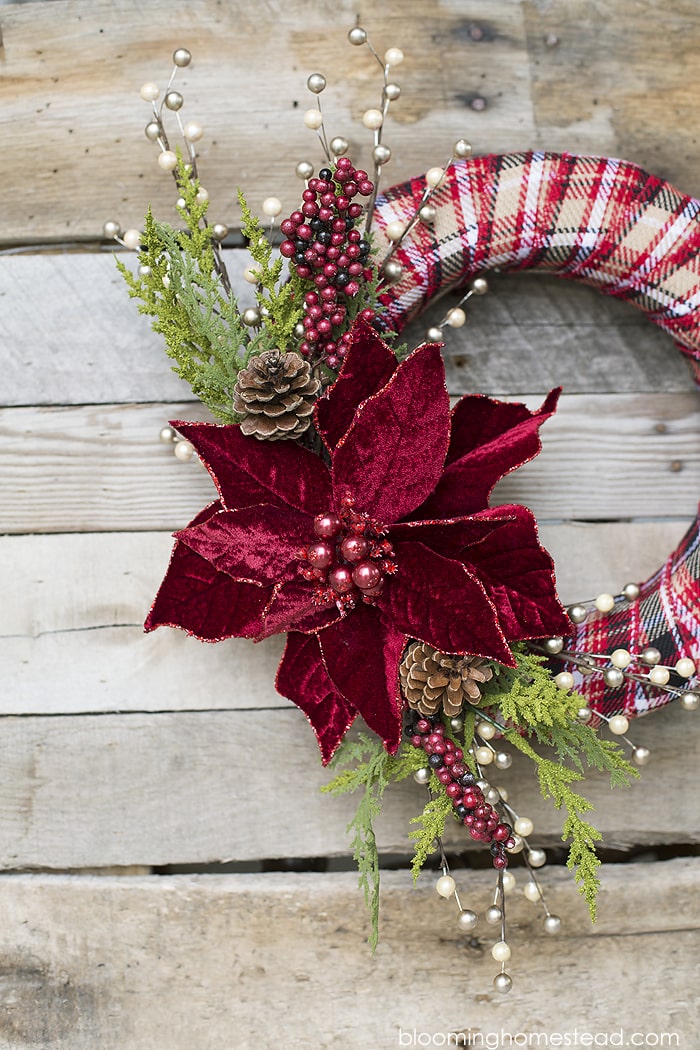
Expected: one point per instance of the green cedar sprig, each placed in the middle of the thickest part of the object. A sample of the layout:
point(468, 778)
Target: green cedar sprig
point(431, 824)
point(529, 699)
point(180, 287)
point(555, 783)
point(524, 702)
point(370, 772)
point(281, 301)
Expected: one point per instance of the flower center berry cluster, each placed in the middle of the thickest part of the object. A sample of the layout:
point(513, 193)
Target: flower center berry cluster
point(324, 246)
point(470, 806)
point(350, 559)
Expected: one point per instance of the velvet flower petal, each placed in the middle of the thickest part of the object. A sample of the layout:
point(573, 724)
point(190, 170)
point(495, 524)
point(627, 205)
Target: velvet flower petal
point(205, 602)
point(452, 537)
point(437, 600)
point(518, 575)
point(392, 456)
point(368, 365)
point(488, 440)
point(246, 473)
point(292, 607)
point(362, 655)
point(395, 542)
point(303, 679)
point(257, 544)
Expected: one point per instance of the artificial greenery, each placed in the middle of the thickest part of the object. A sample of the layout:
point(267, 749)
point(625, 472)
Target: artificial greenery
point(529, 700)
point(523, 702)
point(431, 825)
point(528, 697)
point(371, 770)
point(182, 286)
point(281, 303)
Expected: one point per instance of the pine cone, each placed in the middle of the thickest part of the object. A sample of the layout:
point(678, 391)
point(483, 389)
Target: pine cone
point(431, 679)
point(275, 396)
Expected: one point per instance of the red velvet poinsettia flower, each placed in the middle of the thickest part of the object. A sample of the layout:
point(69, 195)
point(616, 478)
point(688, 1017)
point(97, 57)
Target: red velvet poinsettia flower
point(393, 541)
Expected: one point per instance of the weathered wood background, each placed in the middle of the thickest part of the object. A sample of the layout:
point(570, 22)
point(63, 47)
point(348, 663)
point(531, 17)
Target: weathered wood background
point(126, 760)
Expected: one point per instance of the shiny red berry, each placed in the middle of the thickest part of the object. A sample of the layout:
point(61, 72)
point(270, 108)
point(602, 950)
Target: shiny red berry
point(320, 555)
point(354, 549)
point(340, 579)
point(326, 526)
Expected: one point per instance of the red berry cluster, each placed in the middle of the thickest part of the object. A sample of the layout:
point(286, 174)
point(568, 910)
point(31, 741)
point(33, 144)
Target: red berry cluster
point(324, 246)
point(446, 761)
point(350, 559)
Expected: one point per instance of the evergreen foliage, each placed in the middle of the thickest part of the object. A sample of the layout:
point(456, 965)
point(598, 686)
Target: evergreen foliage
point(371, 776)
point(431, 825)
point(180, 286)
point(522, 702)
point(281, 303)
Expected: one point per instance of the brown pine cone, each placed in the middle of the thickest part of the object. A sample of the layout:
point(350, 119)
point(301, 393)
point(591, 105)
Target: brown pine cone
point(275, 396)
point(431, 679)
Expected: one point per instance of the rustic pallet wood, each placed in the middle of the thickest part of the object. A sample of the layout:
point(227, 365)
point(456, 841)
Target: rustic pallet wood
point(78, 601)
point(513, 76)
point(180, 788)
point(74, 338)
point(100, 467)
point(254, 961)
point(122, 751)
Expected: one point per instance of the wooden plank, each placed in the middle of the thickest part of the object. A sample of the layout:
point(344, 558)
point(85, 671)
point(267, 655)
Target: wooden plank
point(489, 75)
point(101, 467)
point(70, 626)
point(185, 962)
point(193, 787)
point(55, 58)
point(615, 83)
point(77, 339)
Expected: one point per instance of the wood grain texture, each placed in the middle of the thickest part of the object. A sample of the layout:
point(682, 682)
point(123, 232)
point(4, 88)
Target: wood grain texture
point(255, 962)
point(129, 751)
point(76, 68)
point(181, 788)
point(74, 337)
point(621, 73)
point(101, 467)
point(71, 636)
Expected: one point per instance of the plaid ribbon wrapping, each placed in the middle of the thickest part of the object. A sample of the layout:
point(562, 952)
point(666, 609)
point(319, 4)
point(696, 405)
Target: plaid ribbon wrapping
point(604, 222)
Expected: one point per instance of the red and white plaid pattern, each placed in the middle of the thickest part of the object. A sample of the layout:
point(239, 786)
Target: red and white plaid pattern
point(603, 222)
point(593, 219)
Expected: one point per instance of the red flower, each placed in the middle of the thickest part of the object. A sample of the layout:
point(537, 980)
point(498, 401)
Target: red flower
point(394, 541)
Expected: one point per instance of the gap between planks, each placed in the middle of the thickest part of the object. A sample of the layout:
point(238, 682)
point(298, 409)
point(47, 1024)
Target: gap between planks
point(181, 788)
point(533, 332)
point(66, 593)
point(102, 468)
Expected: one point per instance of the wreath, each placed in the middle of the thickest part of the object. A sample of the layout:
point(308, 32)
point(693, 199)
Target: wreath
point(353, 507)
